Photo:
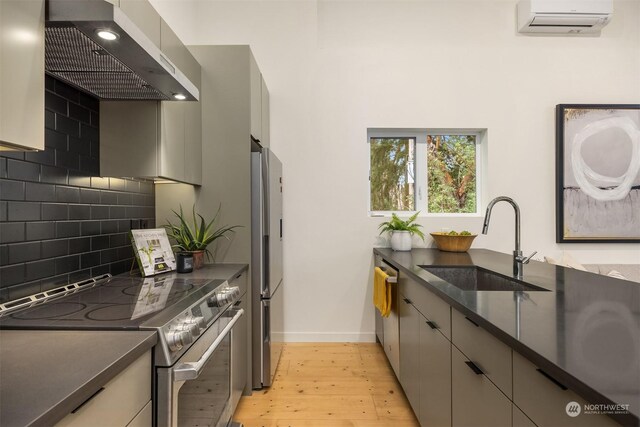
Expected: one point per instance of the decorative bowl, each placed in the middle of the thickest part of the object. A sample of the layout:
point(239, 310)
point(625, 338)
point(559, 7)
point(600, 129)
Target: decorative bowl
point(456, 243)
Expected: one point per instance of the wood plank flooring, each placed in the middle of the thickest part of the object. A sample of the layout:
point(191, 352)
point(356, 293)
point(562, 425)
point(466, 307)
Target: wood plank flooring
point(329, 385)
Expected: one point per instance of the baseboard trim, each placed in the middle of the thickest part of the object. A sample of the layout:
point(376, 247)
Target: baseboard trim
point(324, 336)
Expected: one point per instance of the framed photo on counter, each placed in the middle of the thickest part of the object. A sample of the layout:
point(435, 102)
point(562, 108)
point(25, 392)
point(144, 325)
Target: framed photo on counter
point(153, 251)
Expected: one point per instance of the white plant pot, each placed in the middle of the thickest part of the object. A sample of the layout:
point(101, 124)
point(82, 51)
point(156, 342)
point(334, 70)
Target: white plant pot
point(400, 240)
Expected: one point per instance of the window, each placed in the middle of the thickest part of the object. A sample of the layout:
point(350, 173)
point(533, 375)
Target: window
point(432, 171)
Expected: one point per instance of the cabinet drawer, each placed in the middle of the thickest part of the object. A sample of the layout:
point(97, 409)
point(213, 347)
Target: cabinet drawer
point(119, 402)
point(490, 354)
point(430, 305)
point(476, 401)
point(144, 417)
point(520, 419)
point(544, 401)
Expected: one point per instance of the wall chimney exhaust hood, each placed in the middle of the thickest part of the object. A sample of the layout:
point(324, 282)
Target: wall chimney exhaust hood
point(94, 46)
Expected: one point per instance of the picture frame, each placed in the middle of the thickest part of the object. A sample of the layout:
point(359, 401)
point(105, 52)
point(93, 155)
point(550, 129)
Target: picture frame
point(598, 173)
point(153, 251)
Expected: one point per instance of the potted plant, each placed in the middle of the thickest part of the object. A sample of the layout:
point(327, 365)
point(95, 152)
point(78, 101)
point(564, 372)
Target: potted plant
point(195, 238)
point(401, 231)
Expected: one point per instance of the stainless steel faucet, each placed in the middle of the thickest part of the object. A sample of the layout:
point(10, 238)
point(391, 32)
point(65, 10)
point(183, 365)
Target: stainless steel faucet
point(518, 259)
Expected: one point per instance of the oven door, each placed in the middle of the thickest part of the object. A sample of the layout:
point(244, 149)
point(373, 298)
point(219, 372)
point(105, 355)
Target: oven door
point(196, 390)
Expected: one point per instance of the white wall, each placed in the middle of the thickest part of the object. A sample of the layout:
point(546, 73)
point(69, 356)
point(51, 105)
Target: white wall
point(335, 68)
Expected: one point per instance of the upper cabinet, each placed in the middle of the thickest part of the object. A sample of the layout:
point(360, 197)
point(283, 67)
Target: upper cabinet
point(22, 74)
point(259, 105)
point(151, 139)
point(177, 52)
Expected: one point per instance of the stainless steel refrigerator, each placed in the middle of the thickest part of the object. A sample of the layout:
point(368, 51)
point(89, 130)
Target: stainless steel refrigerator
point(266, 264)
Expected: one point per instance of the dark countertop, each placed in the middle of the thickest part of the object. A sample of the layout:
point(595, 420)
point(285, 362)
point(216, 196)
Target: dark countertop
point(44, 375)
point(585, 331)
point(213, 271)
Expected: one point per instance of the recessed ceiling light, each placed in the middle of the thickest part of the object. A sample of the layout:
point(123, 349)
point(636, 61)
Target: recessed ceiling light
point(107, 34)
point(179, 96)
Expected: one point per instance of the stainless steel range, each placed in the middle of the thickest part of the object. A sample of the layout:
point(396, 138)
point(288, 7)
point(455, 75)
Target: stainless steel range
point(194, 319)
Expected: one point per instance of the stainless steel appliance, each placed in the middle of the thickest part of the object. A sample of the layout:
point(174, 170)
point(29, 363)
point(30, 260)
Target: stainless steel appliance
point(195, 371)
point(96, 46)
point(266, 264)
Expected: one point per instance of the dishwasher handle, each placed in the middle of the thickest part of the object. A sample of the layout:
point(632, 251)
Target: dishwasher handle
point(191, 370)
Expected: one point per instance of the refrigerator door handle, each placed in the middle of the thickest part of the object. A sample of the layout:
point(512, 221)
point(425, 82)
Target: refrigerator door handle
point(265, 291)
point(267, 321)
point(265, 192)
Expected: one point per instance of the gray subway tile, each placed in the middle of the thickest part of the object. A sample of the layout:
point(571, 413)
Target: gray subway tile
point(44, 157)
point(67, 264)
point(79, 179)
point(67, 160)
point(40, 192)
point(116, 212)
point(89, 196)
point(3, 211)
point(82, 244)
point(79, 212)
point(39, 269)
point(54, 211)
point(49, 119)
point(67, 194)
point(108, 227)
point(55, 140)
point(23, 211)
point(3, 167)
point(90, 259)
point(79, 275)
point(11, 232)
point(99, 242)
point(89, 101)
point(89, 228)
point(11, 190)
point(108, 197)
point(67, 126)
point(79, 146)
point(67, 92)
point(99, 212)
point(24, 290)
point(55, 103)
point(67, 229)
point(79, 113)
point(98, 182)
point(55, 248)
point(54, 175)
point(11, 274)
point(40, 230)
point(24, 171)
point(23, 252)
point(4, 254)
point(117, 184)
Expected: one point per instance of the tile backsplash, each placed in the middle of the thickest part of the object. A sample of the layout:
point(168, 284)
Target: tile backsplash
point(60, 222)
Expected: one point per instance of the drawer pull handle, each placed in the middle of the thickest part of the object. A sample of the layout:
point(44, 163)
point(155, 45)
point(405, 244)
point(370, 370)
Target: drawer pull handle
point(471, 321)
point(408, 301)
point(238, 276)
point(553, 380)
point(88, 399)
point(432, 325)
point(474, 368)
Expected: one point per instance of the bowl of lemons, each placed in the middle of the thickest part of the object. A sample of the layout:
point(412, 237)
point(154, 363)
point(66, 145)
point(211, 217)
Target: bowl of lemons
point(453, 241)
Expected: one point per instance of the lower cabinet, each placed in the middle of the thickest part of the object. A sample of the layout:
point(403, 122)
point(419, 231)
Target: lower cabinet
point(123, 401)
point(410, 321)
point(435, 376)
point(239, 353)
point(544, 399)
point(520, 419)
point(475, 400)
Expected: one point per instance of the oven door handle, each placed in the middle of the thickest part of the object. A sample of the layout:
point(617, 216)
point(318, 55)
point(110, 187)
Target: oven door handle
point(191, 370)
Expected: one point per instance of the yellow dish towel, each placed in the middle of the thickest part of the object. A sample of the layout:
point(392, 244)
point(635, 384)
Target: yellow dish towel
point(381, 292)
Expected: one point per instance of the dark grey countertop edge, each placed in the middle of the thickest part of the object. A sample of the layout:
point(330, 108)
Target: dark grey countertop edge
point(82, 393)
point(570, 381)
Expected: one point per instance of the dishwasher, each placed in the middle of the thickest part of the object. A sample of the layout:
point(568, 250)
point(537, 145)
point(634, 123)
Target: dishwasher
point(388, 328)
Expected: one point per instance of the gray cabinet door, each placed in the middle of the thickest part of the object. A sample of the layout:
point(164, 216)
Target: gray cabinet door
point(264, 136)
point(435, 377)
point(475, 400)
point(410, 319)
point(172, 140)
point(256, 98)
point(22, 74)
point(193, 143)
point(239, 351)
point(172, 47)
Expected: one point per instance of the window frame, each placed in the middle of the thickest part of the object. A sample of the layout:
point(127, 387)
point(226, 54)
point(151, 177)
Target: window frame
point(421, 174)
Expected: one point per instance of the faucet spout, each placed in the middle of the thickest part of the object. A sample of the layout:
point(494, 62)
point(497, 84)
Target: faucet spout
point(518, 259)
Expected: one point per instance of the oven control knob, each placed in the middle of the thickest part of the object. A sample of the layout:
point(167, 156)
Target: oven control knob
point(199, 321)
point(177, 339)
point(215, 301)
point(190, 327)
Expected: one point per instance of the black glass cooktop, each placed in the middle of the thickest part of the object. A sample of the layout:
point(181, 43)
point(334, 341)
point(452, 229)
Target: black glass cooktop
point(115, 303)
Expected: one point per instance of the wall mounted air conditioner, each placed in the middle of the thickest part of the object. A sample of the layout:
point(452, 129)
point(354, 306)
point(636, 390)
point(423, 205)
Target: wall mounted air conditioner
point(564, 16)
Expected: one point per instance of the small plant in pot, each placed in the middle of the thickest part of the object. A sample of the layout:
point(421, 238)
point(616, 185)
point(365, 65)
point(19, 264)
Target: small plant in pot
point(196, 237)
point(401, 231)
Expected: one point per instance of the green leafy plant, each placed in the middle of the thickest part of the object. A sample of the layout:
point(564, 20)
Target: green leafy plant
point(396, 224)
point(196, 237)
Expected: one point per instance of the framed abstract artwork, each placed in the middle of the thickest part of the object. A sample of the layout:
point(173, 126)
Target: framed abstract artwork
point(597, 173)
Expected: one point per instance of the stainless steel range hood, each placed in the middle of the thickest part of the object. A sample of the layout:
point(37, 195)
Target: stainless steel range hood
point(129, 67)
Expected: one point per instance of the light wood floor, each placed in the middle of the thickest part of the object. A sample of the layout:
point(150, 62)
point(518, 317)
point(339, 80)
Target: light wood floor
point(329, 385)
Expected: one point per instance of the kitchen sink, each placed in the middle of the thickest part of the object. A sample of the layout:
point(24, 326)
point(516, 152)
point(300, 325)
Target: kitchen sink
point(479, 279)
